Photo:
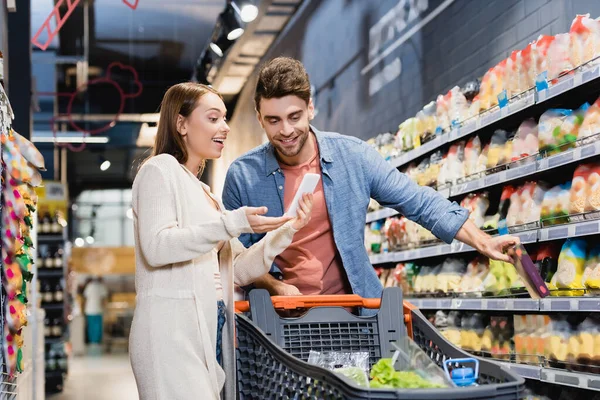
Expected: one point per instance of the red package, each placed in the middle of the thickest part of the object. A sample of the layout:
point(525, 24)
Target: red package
point(539, 54)
point(526, 70)
point(585, 39)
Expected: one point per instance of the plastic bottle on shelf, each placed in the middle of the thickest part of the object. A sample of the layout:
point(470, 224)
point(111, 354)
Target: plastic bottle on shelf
point(57, 327)
point(47, 327)
point(58, 293)
point(55, 225)
point(58, 258)
point(46, 223)
point(47, 294)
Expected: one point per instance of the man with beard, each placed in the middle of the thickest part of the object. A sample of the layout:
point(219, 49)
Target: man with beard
point(328, 256)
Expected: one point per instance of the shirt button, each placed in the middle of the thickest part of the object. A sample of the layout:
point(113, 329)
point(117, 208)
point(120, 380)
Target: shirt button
point(280, 187)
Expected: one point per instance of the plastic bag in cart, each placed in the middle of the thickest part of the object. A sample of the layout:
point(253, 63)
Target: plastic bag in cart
point(354, 366)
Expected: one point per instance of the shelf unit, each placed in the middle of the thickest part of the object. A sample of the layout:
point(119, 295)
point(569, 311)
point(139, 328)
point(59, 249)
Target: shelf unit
point(54, 379)
point(547, 305)
point(543, 234)
point(556, 376)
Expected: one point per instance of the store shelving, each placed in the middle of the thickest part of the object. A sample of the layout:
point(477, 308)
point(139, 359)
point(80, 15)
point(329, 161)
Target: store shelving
point(556, 376)
point(549, 304)
point(543, 234)
point(543, 164)
point(525, 104)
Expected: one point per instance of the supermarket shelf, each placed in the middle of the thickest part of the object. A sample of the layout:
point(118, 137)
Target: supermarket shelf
point(53, 340)
point(53, 306)
point(50, 238)
point(551, 304)
point(50, 273)
point(556, 376)
point(572, 156)
point(565, 231)
point(526, 100)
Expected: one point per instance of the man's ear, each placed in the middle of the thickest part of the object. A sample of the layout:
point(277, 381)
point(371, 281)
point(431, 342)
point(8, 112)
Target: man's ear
point(259, 118)
point(311, 110)
point(181, 125)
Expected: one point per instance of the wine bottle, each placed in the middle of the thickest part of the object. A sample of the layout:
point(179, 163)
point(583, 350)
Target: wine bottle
point(46, 223)
point(47, 293)
point(58, 258)
point(57, 327)
point(58, 293)
point(55, 226)
point(47, 327)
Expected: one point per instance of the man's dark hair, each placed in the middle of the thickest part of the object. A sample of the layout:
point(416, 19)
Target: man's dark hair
point(280, 77)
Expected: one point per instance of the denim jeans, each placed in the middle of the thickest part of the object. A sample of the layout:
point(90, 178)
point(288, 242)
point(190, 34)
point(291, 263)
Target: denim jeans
point(221, 318)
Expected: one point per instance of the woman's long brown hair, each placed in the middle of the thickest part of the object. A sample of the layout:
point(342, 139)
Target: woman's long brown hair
point(180, 99)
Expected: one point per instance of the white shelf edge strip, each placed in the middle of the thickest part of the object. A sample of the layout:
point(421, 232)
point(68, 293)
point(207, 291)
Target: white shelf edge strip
point(494, 115)
point(555, 376)
point(549, 304)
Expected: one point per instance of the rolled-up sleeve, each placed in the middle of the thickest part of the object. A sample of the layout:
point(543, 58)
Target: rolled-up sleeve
point(420, 204)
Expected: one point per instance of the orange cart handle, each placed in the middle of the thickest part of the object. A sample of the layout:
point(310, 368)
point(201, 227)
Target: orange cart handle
point(346, 300)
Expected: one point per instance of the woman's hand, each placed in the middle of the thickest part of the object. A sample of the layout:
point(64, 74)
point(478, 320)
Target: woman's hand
point(260, 224)
point(304, 211)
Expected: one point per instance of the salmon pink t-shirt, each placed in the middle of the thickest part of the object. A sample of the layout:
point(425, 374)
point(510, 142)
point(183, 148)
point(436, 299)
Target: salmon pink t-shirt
point(311, 262)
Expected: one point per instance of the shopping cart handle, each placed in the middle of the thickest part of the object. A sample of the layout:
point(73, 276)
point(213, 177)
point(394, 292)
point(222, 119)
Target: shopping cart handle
point(304, 302)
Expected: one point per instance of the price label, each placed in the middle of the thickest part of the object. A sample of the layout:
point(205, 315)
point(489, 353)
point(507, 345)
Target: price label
point(521, 171)
point(586, 229)
point(590, 74)
point(558, 233)
point(492, 179)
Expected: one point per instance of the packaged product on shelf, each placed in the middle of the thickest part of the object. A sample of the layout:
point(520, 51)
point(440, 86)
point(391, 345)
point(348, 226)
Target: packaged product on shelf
point(501, 334)
point(471, 89)
point(474, 107)
point(386, 145)
point(454, 162)
point(527, 67)
point(592, 202)
point(525, 142)
point(555, 206)
point(442, 112)
point(472, 153)
point(422, 178)
point(483, 158)
point(539, 52)
point(585, 39)
point(579, 189)
point(485, 90)
point(472, 280)
point(531, 198)
point(477, 204)
point(452, 332)
point(459, 106)
point(520, 338)
point(450, 275)
point(412, 231)
point(502, 276)
point(547, 261)
point(558, 340)
point(498, 81)
point(514, 205)
point(373, 237)
point(512, 79)
point(433, 171)
point(395, 232)
point(497, 151)
point(559, 56)
point(590, 127)
point(569, 131)
point(591, 274)
point(571, 266)
point(491, 221)
point(550, 129)
point(428, 122)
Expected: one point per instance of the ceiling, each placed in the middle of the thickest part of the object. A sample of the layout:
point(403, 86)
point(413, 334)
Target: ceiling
point(162, 41)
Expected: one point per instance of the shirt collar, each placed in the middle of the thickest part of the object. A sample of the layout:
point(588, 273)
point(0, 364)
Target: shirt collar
point(272, 165)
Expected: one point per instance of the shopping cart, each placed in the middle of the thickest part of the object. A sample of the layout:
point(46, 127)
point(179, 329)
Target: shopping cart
point(272, 351)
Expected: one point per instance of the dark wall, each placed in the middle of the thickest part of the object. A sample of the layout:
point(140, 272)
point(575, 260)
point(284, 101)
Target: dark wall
point(461, 43)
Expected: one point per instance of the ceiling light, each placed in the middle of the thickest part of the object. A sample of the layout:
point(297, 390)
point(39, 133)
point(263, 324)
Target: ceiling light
point(249, 12)
point(234, 34)
point(90, 240)
point(79, 242)
point(215, 47)
point(70, 139)
point(104, 163)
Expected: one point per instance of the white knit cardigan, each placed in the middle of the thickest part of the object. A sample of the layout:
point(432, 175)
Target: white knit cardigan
point(173, 336)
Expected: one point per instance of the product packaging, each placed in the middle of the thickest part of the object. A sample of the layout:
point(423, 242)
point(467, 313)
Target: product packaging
point(591, 274)
point(585, 39)
point(497, 154)
point(592, 202)
point(477, 205)
point(525, 142)
point(571, 266)
point(472, 153)
point(472, 280)
point(539, 54)
point(442, 109)
point(530, 203)
point(459, 106)
point(354, 366)
point(558, 55)
point(590, 128)
point(450, 275)
point(550, 129)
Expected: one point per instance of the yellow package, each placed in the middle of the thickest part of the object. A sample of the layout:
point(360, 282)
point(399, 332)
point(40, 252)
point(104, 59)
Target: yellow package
point(571, 266)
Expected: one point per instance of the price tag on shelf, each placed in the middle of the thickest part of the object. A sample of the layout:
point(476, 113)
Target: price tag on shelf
point(590, 74)
point(518, 172)
point(560, 159)
point(503, 100)
point(588, 228)
point(541, 86)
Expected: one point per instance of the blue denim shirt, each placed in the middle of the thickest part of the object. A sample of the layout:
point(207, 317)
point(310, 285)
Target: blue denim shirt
point(353, 173)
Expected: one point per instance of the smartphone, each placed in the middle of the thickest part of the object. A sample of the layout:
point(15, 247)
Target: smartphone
point(308, 185)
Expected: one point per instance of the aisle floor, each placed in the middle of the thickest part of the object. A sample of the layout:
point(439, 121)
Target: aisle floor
point(106, 377)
